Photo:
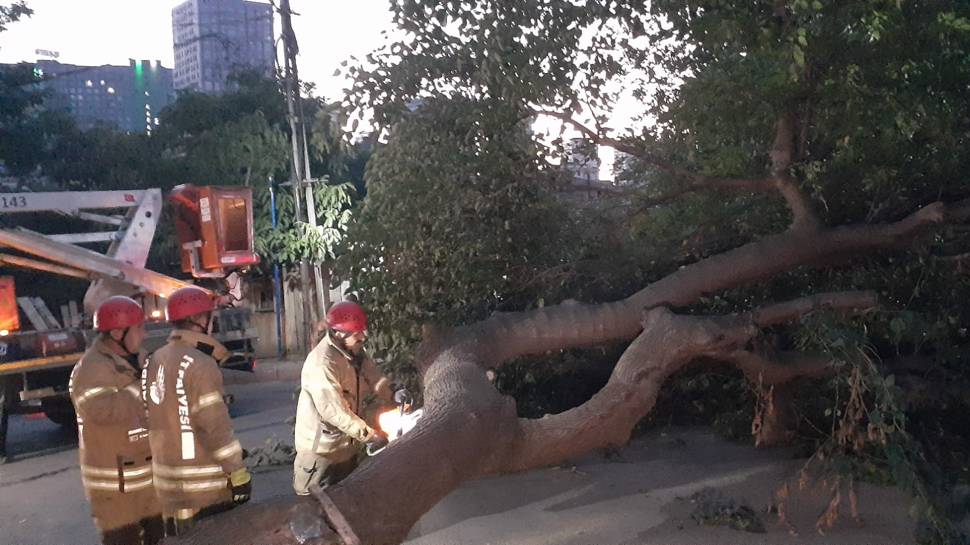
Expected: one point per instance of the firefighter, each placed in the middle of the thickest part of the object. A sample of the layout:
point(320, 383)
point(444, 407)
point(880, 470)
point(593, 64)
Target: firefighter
point(116, 467)
point(337, 375)
point(198, 462)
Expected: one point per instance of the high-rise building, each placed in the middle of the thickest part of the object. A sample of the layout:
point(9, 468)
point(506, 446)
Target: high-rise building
point(126, 98)
point(216, 38)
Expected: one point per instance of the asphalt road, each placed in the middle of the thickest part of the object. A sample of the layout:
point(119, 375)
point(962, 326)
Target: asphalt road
point(41, 499)
point(643, 496)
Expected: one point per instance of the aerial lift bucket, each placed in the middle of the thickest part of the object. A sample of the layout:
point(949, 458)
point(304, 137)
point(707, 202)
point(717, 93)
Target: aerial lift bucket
point(215, 229)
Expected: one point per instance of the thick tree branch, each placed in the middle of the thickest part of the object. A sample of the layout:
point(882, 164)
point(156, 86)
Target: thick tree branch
point(852, 302)
point(507, 336)
point(381, 502)
point(774, 421)
point(608, 418)
point(780, 368)
point(782, 154)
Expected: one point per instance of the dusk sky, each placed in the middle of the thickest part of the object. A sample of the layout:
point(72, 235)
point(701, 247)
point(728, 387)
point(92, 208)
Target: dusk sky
point(94, 32)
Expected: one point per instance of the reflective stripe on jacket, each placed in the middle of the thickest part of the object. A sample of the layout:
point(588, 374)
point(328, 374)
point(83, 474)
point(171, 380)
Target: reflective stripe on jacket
point(333, 387)
point(113, 446)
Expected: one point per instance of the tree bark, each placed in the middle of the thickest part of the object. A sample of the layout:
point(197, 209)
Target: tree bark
point(782, 153)
point(774, 420)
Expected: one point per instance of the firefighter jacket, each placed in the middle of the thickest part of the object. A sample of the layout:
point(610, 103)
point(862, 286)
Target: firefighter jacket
point(193, 445)
point(334, 384)
point(112, 435)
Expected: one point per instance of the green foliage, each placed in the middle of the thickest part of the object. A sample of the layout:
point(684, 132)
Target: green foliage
point(296, 241)
point(13, 13)
point(242, 137)
point(458, 222)
point(869, 436)
point(237, 138)
point(883, 121)
point(245, 151)
point(20, 97)
point(878, 88)
point(30, 132)
point(557, 382)
point(104, 159)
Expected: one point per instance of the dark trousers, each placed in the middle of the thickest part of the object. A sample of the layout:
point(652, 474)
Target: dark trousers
point(148, 531)
point(183, 522)
point(314, 469)
point(132, 518)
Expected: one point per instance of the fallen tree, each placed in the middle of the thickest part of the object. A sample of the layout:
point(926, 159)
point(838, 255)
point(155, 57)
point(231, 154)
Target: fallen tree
point(474, 431)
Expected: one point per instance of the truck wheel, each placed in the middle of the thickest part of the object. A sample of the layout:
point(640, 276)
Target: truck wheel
point(59, 410)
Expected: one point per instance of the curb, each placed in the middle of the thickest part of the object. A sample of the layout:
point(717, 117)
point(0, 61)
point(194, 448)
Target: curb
point(273, 371)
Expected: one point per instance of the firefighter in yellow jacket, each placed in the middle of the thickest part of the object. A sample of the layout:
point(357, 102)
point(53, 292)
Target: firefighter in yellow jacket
point(116, 467)
point(197, 460)
point(337, 375)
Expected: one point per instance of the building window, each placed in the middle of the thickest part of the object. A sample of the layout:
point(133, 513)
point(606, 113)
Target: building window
point(88, 83)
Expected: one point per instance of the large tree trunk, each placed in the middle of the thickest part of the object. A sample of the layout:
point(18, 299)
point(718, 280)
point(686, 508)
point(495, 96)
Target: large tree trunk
point(470, 430)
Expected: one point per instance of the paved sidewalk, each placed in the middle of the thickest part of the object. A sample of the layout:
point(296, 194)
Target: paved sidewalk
point(267, 370)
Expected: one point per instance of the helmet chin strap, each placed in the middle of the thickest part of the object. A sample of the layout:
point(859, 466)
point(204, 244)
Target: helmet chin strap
point(121, 342)
point(206, 327)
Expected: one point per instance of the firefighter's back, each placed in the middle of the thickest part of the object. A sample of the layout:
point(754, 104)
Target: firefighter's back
point(180, 390)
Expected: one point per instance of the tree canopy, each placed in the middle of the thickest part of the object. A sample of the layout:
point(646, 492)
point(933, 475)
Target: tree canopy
point(750, 119)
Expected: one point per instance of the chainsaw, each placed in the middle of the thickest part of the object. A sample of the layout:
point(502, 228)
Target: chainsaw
point(398, 421)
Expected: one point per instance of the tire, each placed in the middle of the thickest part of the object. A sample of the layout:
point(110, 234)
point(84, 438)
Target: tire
point(59, 410)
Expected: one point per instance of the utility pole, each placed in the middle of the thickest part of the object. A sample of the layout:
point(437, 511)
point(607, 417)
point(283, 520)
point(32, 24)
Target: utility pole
point(314, 309)
point(277, 283)
point(290, 50)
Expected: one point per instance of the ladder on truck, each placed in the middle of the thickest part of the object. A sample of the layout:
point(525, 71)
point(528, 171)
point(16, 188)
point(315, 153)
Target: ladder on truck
point(130, 241)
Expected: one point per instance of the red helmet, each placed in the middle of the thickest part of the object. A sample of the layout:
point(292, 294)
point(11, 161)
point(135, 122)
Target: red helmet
point(188, 301)
point(118, 312)
point(347, 316)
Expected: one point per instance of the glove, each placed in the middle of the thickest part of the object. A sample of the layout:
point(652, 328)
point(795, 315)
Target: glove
point(376, 441)
point(402, 397)
point(241, 483)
